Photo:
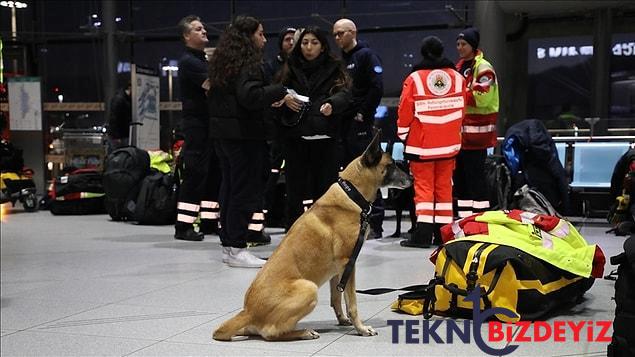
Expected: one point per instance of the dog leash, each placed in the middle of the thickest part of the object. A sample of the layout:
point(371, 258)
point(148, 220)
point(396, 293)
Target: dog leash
point(356, 197)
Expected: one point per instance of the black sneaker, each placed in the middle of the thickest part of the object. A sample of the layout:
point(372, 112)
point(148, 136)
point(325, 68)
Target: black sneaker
point(258, 238)
point(189, 234)
point(413, 244)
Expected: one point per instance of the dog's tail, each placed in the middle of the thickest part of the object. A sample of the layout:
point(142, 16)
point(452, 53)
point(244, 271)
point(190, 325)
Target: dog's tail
point(229, 328)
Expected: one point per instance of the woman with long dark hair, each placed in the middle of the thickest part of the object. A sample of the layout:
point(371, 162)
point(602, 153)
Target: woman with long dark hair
point(237, 98)
point(309, 121)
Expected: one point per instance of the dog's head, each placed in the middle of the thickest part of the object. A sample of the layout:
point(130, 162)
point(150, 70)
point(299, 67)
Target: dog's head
point(381, 167)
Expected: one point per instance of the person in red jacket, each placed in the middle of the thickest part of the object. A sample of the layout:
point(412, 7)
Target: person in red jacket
point(479, 125)
point(431, 111)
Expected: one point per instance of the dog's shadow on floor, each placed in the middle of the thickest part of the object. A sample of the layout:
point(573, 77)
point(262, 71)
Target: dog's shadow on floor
point(322, 328)
point(393, 245)
point(330, 326)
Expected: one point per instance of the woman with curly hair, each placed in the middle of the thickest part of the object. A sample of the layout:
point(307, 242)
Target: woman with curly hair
point(309, 129)
point(237, 98)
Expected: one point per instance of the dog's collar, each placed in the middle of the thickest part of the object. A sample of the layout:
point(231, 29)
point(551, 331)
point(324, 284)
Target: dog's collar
point(357, 197)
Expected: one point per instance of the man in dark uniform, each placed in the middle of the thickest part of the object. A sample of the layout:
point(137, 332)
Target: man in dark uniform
point(198, 193)
point(285, 45)
point(274, 205)
point(120, 119)
point(365, 69)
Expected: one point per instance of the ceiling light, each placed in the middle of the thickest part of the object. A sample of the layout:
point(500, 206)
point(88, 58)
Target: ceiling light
point(170, 68)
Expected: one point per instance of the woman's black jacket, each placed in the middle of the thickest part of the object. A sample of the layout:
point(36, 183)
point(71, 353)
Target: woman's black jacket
point(236, 110)
point(319, 88)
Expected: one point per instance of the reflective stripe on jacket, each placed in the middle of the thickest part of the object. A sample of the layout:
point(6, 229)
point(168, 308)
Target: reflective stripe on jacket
point(431, 109)
point(553, 240)
point(479, 124)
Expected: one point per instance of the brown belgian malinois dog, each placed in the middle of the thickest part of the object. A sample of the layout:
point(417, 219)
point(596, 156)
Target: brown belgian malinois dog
point(315, 250)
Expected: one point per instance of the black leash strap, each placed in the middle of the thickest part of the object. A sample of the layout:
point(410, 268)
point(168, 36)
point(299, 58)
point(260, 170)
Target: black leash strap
point(380, 291)
point(348, 270)
point(414, 292)
point(356, 197)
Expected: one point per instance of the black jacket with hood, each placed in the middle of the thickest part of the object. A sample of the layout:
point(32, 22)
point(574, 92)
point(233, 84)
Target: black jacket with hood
point(236, 110)
point(539, 160)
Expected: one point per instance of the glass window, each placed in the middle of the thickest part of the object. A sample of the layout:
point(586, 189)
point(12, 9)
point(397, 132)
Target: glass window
point(622, 102)
point(560, 77)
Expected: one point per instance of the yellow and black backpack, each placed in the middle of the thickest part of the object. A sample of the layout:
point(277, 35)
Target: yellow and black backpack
point(509, 261)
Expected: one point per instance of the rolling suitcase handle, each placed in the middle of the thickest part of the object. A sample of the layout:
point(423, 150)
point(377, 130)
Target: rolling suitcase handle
point(133, 133)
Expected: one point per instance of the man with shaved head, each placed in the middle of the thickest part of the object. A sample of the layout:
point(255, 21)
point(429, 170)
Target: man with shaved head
point(365, 69)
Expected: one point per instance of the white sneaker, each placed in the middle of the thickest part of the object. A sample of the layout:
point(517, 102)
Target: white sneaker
point(225, 251)
point(241, 258)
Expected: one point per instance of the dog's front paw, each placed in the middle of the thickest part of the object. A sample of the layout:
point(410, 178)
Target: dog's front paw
point(367, 331)
point(310, 335)
point(343, 321)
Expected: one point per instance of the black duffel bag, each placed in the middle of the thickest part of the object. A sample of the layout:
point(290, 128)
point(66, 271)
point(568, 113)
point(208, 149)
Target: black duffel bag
point(77, 193)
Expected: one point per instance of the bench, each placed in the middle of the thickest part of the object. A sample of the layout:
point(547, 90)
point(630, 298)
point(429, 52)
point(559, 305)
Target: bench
point(397, 150)
point(593, 165)
point(562, 153)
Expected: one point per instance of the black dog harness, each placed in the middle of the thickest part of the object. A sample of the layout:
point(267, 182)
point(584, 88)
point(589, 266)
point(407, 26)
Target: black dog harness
point(357, 197)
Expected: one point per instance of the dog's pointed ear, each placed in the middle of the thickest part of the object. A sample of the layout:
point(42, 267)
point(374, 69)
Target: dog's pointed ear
point(372, 154)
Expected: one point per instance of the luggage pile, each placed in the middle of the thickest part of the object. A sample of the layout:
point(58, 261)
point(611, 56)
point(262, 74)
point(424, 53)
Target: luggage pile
point(140, 186)
point(528, 264)
point(529, 175)
point(136, 185)
point(124, 170)
point(16, 180)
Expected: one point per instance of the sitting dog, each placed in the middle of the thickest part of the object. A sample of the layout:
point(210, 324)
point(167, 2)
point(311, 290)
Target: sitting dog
point(315, 250)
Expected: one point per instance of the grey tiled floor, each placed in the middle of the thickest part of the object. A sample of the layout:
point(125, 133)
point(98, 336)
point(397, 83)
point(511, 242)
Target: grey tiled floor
point(86, 286)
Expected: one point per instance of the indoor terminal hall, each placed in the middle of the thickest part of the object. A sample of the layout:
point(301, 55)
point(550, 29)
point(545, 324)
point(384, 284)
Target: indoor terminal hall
point(317, 178)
